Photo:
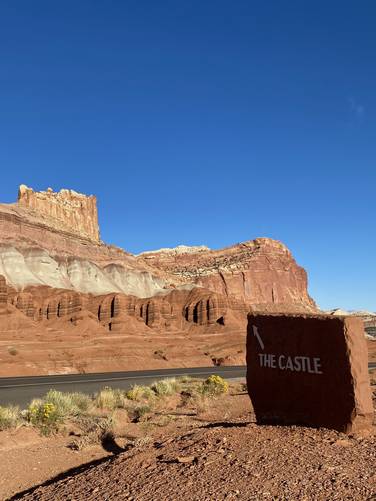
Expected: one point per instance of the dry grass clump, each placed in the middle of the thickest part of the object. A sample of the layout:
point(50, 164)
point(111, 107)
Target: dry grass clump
point(140, 393)
point(198, 394)
point(166, 387)
point(140, 411)
point(94, 430)
point(10, 417)
point(110, 399)
point(94, 415)
point(69, 404)
point(194, 398)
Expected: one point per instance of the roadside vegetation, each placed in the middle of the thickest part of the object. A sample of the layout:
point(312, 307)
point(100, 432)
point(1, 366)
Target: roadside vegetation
point(95, 418)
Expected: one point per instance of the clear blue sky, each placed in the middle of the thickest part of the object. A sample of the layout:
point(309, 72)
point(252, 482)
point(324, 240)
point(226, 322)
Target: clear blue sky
point(203, 122)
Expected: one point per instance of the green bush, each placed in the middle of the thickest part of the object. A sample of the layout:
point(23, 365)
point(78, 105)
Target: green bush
point(9, 417)
point(214, 386)
point(166, 387)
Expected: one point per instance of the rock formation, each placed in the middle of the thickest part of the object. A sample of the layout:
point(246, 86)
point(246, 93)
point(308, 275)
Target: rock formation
point(86, 305)
point(260, 271)
point(3, 296)
point(68, 331)
point(41, 243)
point(52, 239)
point(66, 210)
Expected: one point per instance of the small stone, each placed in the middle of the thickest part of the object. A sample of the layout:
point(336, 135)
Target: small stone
point(342, 443)
point(185, 459)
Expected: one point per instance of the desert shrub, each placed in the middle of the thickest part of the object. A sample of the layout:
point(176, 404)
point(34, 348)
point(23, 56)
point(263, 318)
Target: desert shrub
point(138, 412)
point(214, 386)
point(194, 397)
point(44, 415)
point(140, 393)
point(201, 402)
point(68, 404)
point(83, 402)
point(94, 430)
point(110, 399)
point(10, 417)
point(166, 387)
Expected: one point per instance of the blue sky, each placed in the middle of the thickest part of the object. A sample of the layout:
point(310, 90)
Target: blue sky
point(201, 122)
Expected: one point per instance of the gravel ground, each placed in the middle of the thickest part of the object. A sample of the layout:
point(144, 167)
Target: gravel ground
point(235, 460)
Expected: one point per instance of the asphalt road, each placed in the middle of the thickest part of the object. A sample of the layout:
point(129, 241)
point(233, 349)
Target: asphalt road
point(21, 390)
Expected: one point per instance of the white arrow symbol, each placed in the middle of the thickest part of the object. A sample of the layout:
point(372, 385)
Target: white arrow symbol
point(257, 336)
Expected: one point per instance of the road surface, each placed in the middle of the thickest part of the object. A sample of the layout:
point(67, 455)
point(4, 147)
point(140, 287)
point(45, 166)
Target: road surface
point(21, 390)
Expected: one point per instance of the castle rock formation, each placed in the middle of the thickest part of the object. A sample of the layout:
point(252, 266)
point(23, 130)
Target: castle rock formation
point(52, 239)
point(66, 210)
point(81, 302)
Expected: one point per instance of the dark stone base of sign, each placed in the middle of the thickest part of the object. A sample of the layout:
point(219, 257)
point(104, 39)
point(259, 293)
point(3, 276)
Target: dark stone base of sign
point(309, 370)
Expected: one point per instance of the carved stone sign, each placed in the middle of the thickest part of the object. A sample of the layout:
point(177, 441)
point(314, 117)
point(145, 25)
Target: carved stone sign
point(309, 370)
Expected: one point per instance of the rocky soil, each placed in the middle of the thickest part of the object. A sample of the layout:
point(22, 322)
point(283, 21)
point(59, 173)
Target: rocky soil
point(232, 460)
point(222, 454)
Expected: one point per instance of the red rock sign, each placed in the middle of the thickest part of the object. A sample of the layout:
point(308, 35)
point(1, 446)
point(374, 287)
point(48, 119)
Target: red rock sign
point(309, 370)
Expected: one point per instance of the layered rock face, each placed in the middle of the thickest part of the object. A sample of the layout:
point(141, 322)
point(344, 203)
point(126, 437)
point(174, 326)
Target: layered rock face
point(85, 305)
point(260, 271)
point(177, 310)
point(3, 295)
point(52, 239)
point(69, 332)
point(66, 210)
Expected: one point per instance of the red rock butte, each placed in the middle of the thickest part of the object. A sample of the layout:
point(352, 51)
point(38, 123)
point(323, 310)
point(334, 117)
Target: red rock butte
point(113, 310)
point(66, 210)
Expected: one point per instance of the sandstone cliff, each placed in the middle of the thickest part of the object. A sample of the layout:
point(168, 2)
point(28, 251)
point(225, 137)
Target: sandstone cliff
point(52, 239)
point(41, 244)
point(261, 271)
point(66, 210)
point(3, 296)
point(85, 305)
point(68, 331)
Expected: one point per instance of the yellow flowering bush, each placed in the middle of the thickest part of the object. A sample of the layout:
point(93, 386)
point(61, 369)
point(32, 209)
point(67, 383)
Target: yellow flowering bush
point(214, 386)
point(44, 415)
